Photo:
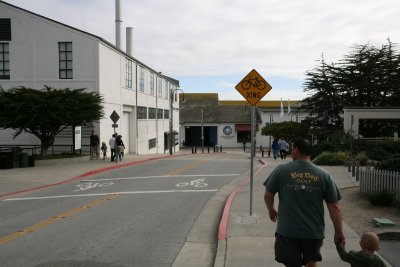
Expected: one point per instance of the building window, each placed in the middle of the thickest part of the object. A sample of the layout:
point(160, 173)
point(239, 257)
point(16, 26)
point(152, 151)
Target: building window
point(141, 80)
point(142, 113)
point(152, 83)
point(166, 89)
point(160, 113)
point(166, 114)
point(65, 60)
point(5, 29)
point(152, 143)
point(128, 73)
point(159, 87)
point(152, 113)
point(4, 61)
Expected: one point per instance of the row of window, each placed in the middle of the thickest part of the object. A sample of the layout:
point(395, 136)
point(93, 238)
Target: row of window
point(64, 60)
point(163, 87)
point(152, 113)
point(66, 70)
point(145, 113)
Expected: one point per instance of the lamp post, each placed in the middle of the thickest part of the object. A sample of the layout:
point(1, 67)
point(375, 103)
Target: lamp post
point(271, 119)
point(171, 118)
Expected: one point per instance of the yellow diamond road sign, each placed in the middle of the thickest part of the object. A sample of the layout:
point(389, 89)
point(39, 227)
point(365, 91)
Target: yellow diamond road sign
point(253, 87)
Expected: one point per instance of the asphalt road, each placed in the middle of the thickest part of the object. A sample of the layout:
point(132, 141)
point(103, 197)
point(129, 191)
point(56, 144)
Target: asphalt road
point(134, 216)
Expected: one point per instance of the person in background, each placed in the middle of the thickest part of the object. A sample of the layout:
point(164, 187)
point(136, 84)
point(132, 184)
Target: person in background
point(282, 148)
point(94, 145)
point(111, 142)
point(119, 146)
point(302, 188)
point(104, 150)
point(369, 243)
point(275, 148)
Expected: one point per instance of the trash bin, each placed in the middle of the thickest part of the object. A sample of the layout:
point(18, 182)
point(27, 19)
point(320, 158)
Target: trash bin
point(31, 161)
point(15, 156)
point(23, 160)
point(6, 160)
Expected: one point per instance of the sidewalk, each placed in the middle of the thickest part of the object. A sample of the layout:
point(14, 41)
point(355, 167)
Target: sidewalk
point(250, 239)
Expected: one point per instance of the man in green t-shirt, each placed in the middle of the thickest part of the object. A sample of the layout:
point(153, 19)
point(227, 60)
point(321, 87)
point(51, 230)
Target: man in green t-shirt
point(302, 188)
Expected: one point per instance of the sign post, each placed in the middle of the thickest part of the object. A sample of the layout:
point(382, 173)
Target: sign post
point(253, 88)
point(114, 117)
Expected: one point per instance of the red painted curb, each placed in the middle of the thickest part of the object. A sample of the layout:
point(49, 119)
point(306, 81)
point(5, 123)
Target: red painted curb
point(92, 172)
point(223, 225)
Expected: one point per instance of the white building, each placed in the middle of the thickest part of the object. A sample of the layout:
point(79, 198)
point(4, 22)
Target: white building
point(37, 51)
point(228, 123)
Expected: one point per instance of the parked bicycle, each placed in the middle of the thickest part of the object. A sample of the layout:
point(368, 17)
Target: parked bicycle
point(253, 82)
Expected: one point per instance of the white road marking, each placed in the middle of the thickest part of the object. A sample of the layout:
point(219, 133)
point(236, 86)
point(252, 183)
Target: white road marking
point(113, 193)
point(163, 176)
point(195, 183)
point(89, 185)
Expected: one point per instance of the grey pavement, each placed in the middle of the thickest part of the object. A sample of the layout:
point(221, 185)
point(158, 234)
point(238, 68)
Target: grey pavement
point(250, 239)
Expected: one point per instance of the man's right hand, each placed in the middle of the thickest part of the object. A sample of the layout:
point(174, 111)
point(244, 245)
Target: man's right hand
point(273, 215)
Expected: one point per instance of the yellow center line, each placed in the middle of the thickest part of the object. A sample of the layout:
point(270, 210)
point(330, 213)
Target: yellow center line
point(54, 219)
point(191, 166)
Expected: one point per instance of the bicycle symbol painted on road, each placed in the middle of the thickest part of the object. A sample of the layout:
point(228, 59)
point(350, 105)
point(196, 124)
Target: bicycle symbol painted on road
point(195, 183)
point(253, 82)
point(89, 185)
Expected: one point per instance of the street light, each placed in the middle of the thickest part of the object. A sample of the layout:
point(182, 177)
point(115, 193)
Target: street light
point(171, 118)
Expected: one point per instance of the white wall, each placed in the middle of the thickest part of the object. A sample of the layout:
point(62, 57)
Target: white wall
point(34, 61)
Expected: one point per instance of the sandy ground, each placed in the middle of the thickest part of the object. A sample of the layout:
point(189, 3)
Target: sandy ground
point(358, 212)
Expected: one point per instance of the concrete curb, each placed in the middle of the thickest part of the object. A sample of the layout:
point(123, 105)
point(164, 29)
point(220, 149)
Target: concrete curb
point(202, 236)
point(220, 257)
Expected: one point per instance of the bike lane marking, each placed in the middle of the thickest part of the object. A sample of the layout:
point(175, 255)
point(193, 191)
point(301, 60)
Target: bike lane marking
point(74, 211)
point(161, 176)
point(113, 193)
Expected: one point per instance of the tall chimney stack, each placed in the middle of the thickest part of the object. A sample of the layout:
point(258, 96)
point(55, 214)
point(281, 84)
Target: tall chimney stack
point(129, 34)
point(118, 23)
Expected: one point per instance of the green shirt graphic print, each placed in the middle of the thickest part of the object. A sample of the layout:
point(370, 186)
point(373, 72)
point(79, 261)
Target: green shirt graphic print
point(302, 188)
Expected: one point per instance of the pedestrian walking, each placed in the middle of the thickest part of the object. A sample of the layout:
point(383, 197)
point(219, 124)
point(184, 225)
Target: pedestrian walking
point(275, 148)
point(302, 188)
point(94, 145)
point(369, 243)
point(111, 142)
point(119, 147)
point(282, 148)
point(103, 149)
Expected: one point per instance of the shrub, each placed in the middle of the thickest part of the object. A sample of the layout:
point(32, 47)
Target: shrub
point(331, 158)
point(382, 198)
point(362, 158)
point(392, 164)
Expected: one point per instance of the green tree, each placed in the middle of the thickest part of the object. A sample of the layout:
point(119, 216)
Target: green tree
point(289, 130)
point(367, 77)
point(46, 112)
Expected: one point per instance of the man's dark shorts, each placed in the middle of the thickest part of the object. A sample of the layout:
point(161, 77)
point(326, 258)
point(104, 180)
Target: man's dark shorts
point(295, 252)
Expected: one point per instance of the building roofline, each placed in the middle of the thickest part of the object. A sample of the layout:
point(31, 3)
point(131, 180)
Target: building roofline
point(92, 35)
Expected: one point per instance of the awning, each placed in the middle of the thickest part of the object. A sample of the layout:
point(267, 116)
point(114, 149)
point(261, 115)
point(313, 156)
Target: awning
point(244, 127)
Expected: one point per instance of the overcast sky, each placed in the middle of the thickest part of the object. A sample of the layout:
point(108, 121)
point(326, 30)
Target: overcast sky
point(210, 45)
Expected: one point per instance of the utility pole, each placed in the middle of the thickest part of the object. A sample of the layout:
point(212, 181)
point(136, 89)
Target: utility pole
point(171, 117)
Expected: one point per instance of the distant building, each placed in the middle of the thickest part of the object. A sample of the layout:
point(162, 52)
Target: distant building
point(228, 123)
point(37, 51)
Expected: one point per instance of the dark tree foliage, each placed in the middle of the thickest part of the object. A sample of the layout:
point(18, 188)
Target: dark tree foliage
point(44, 113)
point(288, 130)
point(367, 77)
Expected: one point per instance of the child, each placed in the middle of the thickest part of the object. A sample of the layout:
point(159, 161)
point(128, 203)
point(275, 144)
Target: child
point(104, 150)
point(369, 243)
